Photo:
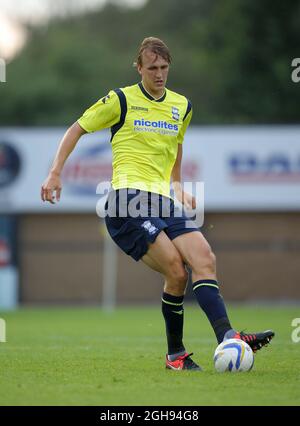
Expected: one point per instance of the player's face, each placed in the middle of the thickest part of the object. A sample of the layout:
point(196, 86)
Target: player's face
point(154, 71)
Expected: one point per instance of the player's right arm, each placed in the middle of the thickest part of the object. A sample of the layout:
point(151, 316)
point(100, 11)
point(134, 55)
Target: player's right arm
point(103, 114)
point(53, 182)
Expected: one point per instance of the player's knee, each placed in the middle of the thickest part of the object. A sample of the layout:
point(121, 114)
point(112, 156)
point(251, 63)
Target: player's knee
point(205, 262)
point(182, 277)
point(176, 286)
point(209, 261)
point(177, 273)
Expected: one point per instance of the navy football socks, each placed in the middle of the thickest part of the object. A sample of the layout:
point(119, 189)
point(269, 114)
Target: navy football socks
point(210, 300)
point(172, 309)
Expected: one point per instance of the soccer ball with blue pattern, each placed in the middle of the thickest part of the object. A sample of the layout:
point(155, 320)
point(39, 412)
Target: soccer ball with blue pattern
point(233, 355)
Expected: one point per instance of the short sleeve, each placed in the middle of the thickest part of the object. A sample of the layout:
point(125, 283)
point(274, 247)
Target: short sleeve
point(103, 114)
point(186, 121)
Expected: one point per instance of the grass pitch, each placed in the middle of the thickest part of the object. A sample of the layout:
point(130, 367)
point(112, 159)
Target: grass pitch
point(84, 356)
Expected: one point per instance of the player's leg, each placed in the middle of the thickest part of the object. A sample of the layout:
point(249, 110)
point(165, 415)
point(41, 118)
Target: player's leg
point(197, 253)
point(152, 264)
point(163, 257)
point(144, 238)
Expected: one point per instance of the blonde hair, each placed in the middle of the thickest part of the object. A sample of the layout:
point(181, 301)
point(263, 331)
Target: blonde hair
point(156, 46)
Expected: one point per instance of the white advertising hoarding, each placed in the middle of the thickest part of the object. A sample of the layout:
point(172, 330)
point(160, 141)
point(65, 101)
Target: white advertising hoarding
point(243, 168)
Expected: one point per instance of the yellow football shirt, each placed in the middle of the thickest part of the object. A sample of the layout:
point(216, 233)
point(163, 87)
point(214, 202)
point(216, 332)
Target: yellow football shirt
point(145, 133)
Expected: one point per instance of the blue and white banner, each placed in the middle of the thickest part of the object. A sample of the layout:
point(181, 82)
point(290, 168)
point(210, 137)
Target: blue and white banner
point(244, 168)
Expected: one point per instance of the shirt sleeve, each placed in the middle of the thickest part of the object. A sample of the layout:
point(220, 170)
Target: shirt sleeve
point(186, 121)
point(103, 114)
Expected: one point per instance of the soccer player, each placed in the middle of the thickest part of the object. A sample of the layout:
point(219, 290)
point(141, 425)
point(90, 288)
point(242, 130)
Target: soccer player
point(148, 123)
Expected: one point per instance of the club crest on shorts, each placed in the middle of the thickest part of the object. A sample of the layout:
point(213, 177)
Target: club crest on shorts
point(175, 113)
point(149, 227)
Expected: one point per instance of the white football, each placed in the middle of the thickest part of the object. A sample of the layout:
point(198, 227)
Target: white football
point(233, 355)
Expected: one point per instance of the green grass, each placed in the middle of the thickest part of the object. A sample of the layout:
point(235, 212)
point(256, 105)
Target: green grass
point(73, 356)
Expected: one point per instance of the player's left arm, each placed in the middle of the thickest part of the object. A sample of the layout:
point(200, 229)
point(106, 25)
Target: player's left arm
point(183, 197)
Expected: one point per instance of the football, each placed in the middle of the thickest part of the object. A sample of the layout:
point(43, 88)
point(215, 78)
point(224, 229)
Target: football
point(233, 355)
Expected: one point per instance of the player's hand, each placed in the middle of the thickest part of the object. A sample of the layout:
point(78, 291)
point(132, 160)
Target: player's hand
point(51, 186)
point(188, 200)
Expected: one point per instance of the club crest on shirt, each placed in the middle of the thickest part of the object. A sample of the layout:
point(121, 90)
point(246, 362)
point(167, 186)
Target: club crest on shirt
point(175, 113)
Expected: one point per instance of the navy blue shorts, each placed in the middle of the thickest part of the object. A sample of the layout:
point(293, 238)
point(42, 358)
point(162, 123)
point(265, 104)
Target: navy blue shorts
point(134, 218)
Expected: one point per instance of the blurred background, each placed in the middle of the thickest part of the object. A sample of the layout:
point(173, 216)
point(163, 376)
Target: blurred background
point(234, 60)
